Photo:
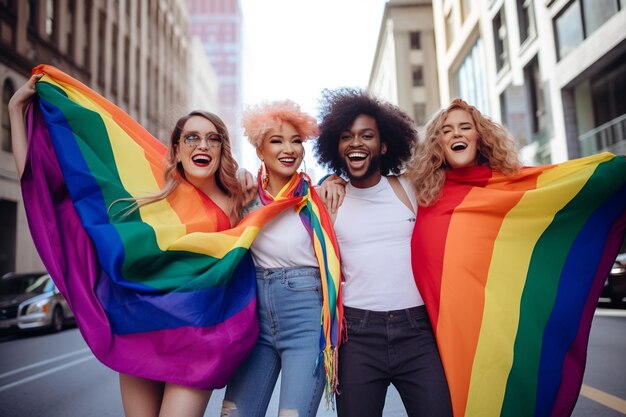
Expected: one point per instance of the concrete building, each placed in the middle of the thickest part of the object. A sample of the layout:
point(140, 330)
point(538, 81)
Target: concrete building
point(218, 24)
point(203, 82)
point(550, 70)
point(404, 71)
point(132, 52)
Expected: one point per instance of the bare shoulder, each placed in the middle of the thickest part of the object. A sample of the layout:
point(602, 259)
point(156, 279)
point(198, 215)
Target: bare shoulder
point(401, 191)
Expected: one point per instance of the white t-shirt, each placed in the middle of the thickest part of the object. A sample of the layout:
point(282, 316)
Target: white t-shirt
point(374, 229)
point(283, 242)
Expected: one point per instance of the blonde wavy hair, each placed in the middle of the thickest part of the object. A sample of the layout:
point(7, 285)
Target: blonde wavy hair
point(427, 166)
point(226, 175)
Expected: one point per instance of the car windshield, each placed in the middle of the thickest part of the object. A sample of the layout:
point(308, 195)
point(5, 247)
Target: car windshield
point(35, 284)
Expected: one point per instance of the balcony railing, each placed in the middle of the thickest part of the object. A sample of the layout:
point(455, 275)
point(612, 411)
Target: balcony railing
point(606, 137)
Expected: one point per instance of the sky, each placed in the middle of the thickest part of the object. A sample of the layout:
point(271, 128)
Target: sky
point(293, 49)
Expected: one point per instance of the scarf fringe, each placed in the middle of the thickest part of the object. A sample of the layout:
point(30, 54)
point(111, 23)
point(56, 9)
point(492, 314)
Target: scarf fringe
point(331, 360)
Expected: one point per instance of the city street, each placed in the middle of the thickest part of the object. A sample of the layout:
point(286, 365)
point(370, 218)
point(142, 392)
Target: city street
point(55, 375)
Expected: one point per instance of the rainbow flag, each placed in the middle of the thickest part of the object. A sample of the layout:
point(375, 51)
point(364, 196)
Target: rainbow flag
point(166, 292)
point(511, 269)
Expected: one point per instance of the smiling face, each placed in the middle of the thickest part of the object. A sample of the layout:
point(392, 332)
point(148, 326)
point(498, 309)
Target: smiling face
point(199, 150)
point(459, 139)
point(361, 149)
point(282, 152)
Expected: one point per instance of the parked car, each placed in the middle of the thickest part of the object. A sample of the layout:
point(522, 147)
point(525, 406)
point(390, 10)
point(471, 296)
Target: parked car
point(615, 285)
point(31, 301)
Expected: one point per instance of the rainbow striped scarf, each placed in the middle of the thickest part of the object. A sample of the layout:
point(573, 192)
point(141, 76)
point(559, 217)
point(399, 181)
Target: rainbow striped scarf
point(319, 226)
point(167, 292)
point(511, 269)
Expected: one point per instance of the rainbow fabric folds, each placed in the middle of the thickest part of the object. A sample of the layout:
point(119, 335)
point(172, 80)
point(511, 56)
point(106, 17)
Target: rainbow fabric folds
point(319, 225)
point(511, 269)
point(166, 292)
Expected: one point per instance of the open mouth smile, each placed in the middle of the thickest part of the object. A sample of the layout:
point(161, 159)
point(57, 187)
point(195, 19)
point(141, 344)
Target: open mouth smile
point(201, 160)
point(356, 156)
point(458, 146)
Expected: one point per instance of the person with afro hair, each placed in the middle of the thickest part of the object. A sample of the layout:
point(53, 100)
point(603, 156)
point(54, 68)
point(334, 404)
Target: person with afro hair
point(389, 336)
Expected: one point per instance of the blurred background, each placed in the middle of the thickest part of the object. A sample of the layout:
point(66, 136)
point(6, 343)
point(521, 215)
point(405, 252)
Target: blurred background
point(552, 71)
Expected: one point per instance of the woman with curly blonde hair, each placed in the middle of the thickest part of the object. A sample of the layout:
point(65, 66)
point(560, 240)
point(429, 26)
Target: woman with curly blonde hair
point(456, 137)
point(509, 261)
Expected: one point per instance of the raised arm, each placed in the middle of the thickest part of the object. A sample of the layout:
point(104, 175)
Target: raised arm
point(17, 115)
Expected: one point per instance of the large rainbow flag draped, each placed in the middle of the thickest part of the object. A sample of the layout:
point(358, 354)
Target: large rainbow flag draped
point(511, 269)
point(318, 224)
point(166, 292)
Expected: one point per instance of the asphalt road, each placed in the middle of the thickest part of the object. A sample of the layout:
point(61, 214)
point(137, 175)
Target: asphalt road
point(55, 375)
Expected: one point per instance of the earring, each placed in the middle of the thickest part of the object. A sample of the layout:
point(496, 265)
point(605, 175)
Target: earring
point(264, 174)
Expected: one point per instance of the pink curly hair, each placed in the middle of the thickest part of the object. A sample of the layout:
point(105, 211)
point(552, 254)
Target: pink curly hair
point(259, 119)
point(427, 167)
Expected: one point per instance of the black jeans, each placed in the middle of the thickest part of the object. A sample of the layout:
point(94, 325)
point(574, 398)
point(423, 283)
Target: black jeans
point(391, 347)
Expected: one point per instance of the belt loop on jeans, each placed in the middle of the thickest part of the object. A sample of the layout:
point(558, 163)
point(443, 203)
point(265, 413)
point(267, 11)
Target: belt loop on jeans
point(410, 318)
point(366, 317)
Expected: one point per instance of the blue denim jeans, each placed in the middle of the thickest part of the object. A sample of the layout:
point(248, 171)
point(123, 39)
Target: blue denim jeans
point(289, 303)
point(391, 347)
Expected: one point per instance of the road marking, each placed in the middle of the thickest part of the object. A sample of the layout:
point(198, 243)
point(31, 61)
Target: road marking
point(47, 361)
point(45, 373)
point(604, 398)
point(608, 312)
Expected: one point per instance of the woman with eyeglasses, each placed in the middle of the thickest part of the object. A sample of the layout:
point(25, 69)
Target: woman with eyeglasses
point(297, 276)
point(199, 153)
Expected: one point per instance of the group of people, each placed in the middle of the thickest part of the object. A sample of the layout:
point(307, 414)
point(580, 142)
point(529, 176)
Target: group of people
point(382, 333)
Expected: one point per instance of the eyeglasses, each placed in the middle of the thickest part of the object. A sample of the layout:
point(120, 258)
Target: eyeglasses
point(193, 140)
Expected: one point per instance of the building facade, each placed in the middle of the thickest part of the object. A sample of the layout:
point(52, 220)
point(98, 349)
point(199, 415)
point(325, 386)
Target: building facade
point(550, 70)
point(134, 53)
point(404, 71)
point(203, 82)
point(218, 25)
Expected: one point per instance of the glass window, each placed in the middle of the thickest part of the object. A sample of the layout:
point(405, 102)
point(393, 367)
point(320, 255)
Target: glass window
point(596, 12)
point(87, 35)
point(127, 70)
point(50, 17)
point(69, 34)
point(500, 39)
point(538, 115)
point(32, 14)
point(9, 7)
point(418, 76)
point(526, 19)
point(7, 92)
point(114, 61)
point(470, 82)
point(415, 40)
point(101, 46)
point(569, 29)
point(608, 90)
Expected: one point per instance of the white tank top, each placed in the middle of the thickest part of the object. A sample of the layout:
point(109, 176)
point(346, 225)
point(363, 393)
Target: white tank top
point(283, 242)
point(374, 229)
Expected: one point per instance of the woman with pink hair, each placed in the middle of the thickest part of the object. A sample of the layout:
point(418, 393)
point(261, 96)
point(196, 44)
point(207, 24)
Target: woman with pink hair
point(298, 276)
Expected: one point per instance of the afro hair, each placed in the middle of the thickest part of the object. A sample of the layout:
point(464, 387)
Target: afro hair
point(338, 110)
